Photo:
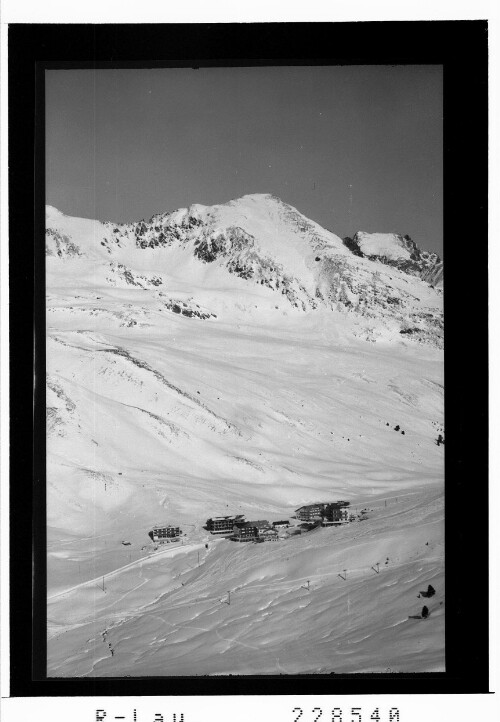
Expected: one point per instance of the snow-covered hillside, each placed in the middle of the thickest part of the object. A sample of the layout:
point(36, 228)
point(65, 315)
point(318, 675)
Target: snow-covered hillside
point(236, 358)
point(333, 600)
point(399, 252)
point(264, 242)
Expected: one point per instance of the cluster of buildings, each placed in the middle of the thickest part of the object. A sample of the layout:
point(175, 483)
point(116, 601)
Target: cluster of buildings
point(236, 528)
point(328, 513)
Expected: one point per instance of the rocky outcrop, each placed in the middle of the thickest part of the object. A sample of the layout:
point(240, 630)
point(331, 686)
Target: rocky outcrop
point(120, 275)
point(165, 229)
point(189, 310)
point(58, 244)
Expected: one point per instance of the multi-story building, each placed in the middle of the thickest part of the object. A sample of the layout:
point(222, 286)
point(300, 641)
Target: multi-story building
point(283, 524)
point(223, 524)
point(162, 533)
point(252, 530)
point(245, 532)
point(336, 513)
point(311, 511)
point(329, 512)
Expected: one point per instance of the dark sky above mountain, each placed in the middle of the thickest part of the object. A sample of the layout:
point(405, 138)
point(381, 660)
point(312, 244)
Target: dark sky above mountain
point(353, 148)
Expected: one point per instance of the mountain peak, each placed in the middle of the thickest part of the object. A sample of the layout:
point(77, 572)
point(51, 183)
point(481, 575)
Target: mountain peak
point(257, 203)
point(399, 252)
point(284, 259)
point(258, 198)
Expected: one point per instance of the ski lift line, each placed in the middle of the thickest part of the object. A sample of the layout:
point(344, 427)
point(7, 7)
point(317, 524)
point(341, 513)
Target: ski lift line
point(115, 572)
point(124, 617)
point(269, 586)
point(356, 571)
point(277, 584)
point(401, 511)
point(395, 496)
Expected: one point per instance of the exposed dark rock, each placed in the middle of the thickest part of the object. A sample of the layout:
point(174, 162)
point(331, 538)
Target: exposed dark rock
point(352, 246)
point(63, 244)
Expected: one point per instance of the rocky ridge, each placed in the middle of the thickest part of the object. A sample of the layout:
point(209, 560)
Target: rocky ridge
point(263, 241)
point(400, 252)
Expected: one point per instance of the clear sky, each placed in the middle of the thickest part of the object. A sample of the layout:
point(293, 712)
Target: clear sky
point(352, 147)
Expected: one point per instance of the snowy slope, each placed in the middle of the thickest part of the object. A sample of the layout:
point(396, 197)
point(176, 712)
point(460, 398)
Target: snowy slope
point(195, 370)
point(399, 252)
point(332, 600)
point(389, 245)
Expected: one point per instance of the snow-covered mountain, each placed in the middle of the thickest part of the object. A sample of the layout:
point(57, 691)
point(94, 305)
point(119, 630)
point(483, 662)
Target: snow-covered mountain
point(237, 358)
point(266, 242)
point(399, 252)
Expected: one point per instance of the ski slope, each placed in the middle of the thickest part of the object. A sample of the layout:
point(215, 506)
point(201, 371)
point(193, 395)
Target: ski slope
point(177, 391)
point(336, 599)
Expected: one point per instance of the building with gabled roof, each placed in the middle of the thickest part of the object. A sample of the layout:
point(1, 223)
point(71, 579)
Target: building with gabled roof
point(223, 524)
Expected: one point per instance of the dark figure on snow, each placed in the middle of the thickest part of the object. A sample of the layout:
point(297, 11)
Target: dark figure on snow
point(425, 612)
point(429, 593)
point(440, 440)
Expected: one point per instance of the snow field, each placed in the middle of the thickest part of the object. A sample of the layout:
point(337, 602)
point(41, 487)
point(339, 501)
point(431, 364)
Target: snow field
point(154, 416)
point(179, 612)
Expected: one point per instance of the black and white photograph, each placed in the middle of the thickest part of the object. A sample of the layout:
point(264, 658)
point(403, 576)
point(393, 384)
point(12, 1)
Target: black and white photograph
point(247, 388)
point(245, 380)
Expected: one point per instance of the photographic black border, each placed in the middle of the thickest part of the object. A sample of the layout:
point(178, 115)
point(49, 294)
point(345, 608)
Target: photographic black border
point(462, 48)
